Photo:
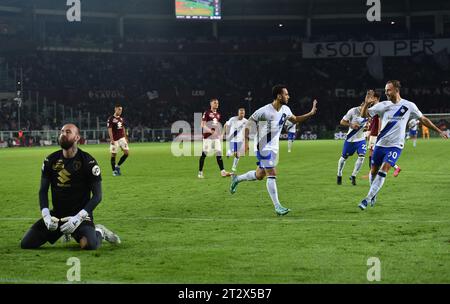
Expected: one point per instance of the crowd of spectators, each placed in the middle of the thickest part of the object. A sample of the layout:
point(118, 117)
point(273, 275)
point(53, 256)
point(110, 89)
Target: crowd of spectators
point(157, 89)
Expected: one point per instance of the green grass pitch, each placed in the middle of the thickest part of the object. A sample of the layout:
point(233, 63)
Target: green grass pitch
point(176, 228)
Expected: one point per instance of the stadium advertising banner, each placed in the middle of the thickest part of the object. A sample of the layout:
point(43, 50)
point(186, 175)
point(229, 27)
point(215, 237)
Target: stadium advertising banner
point(389, 48)
point(424, 91)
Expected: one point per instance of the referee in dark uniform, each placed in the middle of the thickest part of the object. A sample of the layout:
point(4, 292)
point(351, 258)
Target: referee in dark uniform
point(72, 175)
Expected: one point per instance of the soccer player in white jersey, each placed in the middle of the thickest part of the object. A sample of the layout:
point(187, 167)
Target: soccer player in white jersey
point(354, 142)
point(291, 130)
point(413, 125)
point(269, 121)
point(235, 127)
point(394, 114)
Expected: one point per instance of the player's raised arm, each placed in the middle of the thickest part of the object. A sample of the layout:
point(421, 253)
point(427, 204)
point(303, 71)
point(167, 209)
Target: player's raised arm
point(428, 123)
point(368, 101)
point(302, 118)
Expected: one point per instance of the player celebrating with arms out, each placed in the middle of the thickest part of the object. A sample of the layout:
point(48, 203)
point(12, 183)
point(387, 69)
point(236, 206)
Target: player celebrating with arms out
point(394, 114)
point(118, 138)
point(269, 121)
point(235, 126)
point(212, 137)
point(72, 174)
point(374, 131)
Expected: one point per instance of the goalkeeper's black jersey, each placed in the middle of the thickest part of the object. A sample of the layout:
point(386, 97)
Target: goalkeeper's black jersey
point(71, 181)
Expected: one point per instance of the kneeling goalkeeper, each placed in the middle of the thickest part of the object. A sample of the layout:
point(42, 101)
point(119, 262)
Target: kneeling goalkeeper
point(72, 174)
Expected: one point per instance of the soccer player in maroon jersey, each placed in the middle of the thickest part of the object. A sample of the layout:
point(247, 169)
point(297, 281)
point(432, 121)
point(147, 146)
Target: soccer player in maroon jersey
point(118, 138)
point(212, 137)
point(374, 129)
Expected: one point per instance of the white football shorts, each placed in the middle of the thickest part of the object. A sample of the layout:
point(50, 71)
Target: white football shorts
point(122, 143)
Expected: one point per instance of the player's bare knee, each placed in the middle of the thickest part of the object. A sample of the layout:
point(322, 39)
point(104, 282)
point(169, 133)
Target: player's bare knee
point(385, 167)
point(83, 243)
point(271, 172)
point(125, 152)
point(260, 174)
point(374, 170)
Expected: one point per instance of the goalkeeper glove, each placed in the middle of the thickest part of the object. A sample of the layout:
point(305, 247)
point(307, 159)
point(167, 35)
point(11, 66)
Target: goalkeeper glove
point(51, 222)
point(73, 222)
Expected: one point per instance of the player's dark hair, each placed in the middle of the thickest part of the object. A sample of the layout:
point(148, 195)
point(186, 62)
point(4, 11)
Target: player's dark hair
point(118, 105)
point(277, 89)
point(395, 83)
point(376, 95)
point(212, 99)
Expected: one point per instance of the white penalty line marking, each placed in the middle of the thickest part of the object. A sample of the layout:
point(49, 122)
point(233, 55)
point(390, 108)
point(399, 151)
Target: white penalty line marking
point(240, 220)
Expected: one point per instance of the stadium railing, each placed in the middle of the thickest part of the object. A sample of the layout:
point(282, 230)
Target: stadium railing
point(50, 137)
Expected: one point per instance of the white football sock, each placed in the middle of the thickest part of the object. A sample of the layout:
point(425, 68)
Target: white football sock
point(414, 142)
point(99, 231)
point(249, 176)
point(358, 164)
point(235, 162)
point(376, 185)
point(272, 189)
point(290, 144)
point(341, 165)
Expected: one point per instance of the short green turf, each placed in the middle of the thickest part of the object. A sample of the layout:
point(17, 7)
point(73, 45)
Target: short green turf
point(176, 228)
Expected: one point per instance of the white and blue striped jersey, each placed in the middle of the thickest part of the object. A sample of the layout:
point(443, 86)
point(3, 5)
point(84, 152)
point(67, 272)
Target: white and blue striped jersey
point(291, 127)
point(270, 123)
point(236, 127)
point(394, 117)
point(413, 124)
point(354, 116)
